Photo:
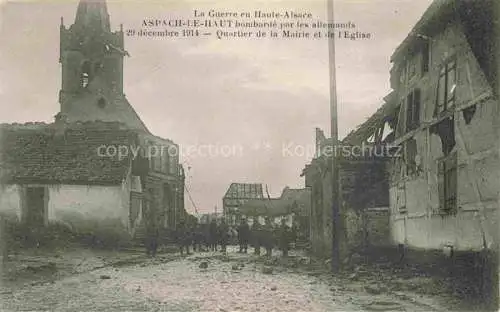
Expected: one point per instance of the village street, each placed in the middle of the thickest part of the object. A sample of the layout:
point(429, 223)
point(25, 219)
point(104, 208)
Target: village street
point(234, 282)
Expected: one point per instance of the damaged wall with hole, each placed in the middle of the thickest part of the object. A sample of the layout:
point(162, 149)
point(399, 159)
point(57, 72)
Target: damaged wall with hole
point(364, 197)
point(446, 192)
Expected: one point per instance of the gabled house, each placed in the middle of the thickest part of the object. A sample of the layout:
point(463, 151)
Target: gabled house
point(293, 205)
point(236, 195)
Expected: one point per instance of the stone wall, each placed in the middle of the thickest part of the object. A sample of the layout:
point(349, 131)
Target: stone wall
point(364, 186)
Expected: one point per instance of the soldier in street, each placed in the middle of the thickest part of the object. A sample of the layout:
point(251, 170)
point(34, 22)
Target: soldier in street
point(284, 237)
point(213, 235)
point(152, 233)
point(197, 237)
point(243, 235)
point(223, 235)
point(268, 236)
point(256, 233)
point(205, 232)
point(183, 237)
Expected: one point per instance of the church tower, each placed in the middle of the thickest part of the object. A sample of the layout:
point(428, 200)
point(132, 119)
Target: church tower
point(92, 56)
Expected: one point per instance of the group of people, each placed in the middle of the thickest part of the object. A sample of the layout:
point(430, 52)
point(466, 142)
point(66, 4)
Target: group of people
point(203, 237)
point(208, 237)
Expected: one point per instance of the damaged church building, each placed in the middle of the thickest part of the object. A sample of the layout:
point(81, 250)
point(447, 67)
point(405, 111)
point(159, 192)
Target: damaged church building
point(81, 170)
point(444, 190)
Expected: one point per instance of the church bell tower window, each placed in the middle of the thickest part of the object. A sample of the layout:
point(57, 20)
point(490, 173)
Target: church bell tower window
point(85, 76)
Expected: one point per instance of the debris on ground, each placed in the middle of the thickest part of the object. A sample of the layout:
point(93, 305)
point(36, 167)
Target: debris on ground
point(203, 265)
point(267, 270)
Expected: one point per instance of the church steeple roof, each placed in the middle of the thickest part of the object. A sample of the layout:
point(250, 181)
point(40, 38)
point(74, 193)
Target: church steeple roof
point(93, 15)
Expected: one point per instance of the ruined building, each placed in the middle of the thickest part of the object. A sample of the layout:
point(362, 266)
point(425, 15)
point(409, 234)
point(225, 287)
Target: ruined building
point(444, 191)
point(363, 189)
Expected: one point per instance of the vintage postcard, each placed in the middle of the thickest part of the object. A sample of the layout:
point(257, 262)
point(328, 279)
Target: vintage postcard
point(260, 155)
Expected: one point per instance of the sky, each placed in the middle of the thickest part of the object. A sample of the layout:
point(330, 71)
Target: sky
point(254, 102)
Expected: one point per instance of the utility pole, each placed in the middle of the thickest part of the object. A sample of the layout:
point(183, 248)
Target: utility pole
point(336, 222)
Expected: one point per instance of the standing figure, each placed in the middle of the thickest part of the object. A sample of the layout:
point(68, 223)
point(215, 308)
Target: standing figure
point(213, 235)
point(223, 235)
point(243, 235)
point(205, 232)
point(256, 235)
point(268, 236)
point(197, 237)
point(284, 237)
point(152, 234)
point(183, 237)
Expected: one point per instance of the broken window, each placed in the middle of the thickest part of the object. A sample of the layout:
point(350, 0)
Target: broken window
point(413, 110)
point(410, 156)
point(447, 184)
point(446, 131)
point(446, 87)
point(468, 113)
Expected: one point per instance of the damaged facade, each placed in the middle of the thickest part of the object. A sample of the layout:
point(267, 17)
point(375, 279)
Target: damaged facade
point(444, 190)
point(64, 175)
point(363, 188)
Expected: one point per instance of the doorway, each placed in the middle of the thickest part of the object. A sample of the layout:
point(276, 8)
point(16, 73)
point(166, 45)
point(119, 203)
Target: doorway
point(35, 206)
